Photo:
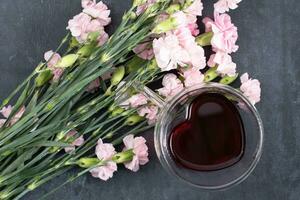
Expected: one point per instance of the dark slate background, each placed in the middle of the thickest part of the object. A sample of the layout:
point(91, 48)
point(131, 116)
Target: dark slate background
point(269, 50)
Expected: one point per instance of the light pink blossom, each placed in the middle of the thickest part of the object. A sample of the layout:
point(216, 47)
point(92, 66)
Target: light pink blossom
point(78, 26)
point(225, 65)
point(144, 50)
point(150, 112)
point(171, 86)
point(224, 33)
point(82, 25)
point(196, 56)
point(6, 111)
point(87, 3)
point(192, 76)
point(224, 5)
point(99, 11)
point(168, 53)
point(195, 8)
point(182, 19)
point(104, 172)
point(137, 100)
point(76, 143)
point(227, 69)
point(250, 88)
point(140, 150)
point(52, 60)
point(104, 152)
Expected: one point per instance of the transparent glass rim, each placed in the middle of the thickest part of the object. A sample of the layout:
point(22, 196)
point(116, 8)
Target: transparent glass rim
point(162, 120)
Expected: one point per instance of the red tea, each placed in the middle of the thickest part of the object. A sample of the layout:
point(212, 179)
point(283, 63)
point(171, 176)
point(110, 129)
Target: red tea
point(212, 137)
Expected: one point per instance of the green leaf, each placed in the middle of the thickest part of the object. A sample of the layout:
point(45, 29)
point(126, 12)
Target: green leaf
point(49, 144)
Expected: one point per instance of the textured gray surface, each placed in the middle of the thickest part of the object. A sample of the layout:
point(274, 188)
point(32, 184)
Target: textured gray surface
point(269, 50)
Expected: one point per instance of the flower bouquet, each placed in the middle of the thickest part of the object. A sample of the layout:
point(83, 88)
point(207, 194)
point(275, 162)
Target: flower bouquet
point(87, 96)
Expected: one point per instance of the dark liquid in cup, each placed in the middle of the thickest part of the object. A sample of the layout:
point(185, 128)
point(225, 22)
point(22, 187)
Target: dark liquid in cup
point(212, 137)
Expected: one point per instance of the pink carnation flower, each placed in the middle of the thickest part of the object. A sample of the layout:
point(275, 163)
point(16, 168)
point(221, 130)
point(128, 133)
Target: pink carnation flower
point(168, 53)
point(179, 47)
point(78, 26)
point(137, 100)
point(192, 76)
point(76, 143)
point(6, 111)
point(104, 152)
point(224, 5)
point(87, 3)
point(98, 11)
point(225, 33)
point(224, 62)
point(83, 24)
point(195, 8)
point(185, 20)
point(150, 112)
point(182, 19)
point(187, 41)
point(52, 60)
point(250, 88)
point(171, 86)
point(144, 50)
point(140, 150)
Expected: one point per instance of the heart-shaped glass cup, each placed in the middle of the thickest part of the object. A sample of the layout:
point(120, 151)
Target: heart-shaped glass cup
point(175, 112)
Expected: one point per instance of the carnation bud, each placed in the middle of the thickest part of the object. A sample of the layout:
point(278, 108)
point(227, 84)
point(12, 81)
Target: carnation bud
point(118, 75)
point(43, 78)
point(88, 162)
point(133, 119)
point(93, 36)
point(173, 8)
point(204, 39)
point(60, 135)
point(226, 80)
point(123, 157)
point(117, 111)
point(67, 61)
point(86, 50)
point(73, 43)
point(134, 64)
point(109, 135)
point(165, 26)
point(211, 74)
